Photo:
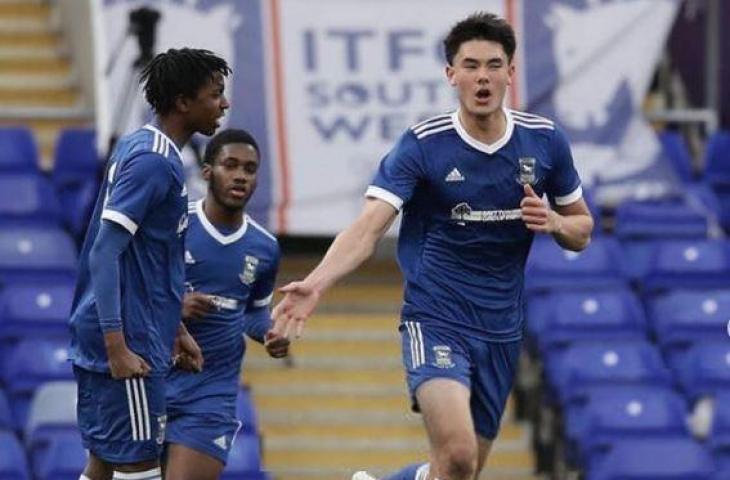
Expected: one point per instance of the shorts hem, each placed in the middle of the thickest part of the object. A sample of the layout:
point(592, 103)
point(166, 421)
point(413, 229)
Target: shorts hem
point(222, 457)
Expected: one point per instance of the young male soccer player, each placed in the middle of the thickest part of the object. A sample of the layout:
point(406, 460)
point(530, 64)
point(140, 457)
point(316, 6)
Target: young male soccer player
point(126, 308)
point(231, 264)
point(470, 185)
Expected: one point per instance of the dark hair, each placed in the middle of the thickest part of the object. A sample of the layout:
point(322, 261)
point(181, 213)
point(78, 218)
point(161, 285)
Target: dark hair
point(225, 137)
point(179, 72)
point(480, 26)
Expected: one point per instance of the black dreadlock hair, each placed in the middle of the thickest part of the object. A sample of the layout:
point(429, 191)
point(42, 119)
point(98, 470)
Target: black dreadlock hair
point(225, 137)
point(480, 26)
point(179, 72)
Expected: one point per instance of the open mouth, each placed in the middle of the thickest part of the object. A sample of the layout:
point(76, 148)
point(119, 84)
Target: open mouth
point(238, 192)
point(483, 95)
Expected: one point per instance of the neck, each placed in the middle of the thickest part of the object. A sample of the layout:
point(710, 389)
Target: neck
point(485, 128)
point(218, 214)
point(171, 126)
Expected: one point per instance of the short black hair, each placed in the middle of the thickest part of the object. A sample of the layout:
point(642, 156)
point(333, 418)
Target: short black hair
point(225, 137)
point(179, 72)
point(480, 26)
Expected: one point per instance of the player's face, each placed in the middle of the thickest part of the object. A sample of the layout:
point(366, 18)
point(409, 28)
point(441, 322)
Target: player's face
point(232, 177)
point(208, 106)
point(480, 73)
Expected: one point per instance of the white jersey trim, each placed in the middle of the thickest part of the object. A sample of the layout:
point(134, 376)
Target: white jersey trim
point(263, 301)
point(260, 228)
point(386, 196)
point(481, 146)
point(218, 236)
point(162, 142)
point(573, 196)
point(121, 219)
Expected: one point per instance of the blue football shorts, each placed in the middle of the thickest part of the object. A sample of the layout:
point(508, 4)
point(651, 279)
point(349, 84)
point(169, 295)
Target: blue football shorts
point(487, 369)
point(121, 421)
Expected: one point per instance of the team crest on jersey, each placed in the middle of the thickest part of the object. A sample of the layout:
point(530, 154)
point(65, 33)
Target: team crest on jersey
point(527, 171)
point(249, 270)
point(442, 357)
point(161, 427)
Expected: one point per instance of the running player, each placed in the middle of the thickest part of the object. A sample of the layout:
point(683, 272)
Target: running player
point(469, 184)
point(126, 309)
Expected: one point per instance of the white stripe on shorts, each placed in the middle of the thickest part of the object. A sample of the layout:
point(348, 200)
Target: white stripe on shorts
point(132, 410)
point(421, 348)
point(411, 337)
point(145, 411)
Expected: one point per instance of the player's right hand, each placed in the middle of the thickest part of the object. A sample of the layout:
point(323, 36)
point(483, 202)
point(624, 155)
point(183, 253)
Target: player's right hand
point(196, 305)
point(127, 364)
point(294, 309)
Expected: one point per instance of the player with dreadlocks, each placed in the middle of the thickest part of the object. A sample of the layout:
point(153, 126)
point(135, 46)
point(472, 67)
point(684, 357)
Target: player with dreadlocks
point(125, 316)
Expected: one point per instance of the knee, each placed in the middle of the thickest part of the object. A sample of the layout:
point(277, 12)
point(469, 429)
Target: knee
point(459, 461)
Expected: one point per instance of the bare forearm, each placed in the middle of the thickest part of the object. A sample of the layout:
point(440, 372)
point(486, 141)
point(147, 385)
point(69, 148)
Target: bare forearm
point(573, 232)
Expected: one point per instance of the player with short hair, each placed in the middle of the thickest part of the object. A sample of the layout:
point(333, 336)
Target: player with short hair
point(469, 184)
point(231, 265)
point(125, 315)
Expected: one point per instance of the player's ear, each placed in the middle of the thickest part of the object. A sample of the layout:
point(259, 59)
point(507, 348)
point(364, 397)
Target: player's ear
point(510, 72)
point(206, 171)
point(182, 104)
point(450, 75)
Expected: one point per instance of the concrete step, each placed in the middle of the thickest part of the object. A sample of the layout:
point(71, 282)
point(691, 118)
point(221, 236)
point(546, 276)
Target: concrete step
point(30, 53)
point(33, 81)
point(311, 376)
point(51, 65)
point(27, 9)
point(49, 97)
point(23, 24)
point(29, 39)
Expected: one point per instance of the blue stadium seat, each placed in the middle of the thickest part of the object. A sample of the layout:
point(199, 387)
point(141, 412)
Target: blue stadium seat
point(688, 264)
point(581, 366)
point(53, 408)
point(28, 200)
point(705, 369)
point(611, 414)
point(582, 315)
point(681, 318)
point(33, 254)
point(246, 412)
point(719, 440)
point(6, 415)
point(660, 219)
point(244, 459)
point(550, 267)
point(654, 459)
point(675, 150)
point(35, 310)
point(59, 455)
point(76, 173)
point(13, 465)
point(30, 363)
point(19, 151)
point(717, 159)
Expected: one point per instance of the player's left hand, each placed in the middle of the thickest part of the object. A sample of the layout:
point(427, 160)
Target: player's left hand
point(276, 345)
point(536, 214)
point(187, 354)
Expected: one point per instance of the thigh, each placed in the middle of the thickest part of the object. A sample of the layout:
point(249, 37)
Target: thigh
point(495, 365)
point(185, 463)
point(121, 421)
point(210, 435)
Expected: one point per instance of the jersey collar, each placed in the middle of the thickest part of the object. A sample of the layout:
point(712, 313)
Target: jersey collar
point(213, 232)
point(481, 146)
point(157, 130)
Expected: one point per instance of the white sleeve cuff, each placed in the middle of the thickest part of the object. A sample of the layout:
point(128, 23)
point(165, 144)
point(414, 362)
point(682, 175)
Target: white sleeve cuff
point(386, 196)
point(121, 219)
point(573, 196)
point(264, 301)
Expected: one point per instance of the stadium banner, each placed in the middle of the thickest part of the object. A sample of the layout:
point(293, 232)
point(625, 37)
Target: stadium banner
point(327, 86)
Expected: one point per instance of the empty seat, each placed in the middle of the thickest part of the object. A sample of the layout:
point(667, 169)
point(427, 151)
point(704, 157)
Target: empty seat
point(688, 264)
point(53, 407)
point(28, 200)
point(19, 151)
point(582, 315)
point(550, 267)
point(681, 318)
point(35, 310)
point(13, 465)
point(580, 366)
point(36, 253)
point(59, 455)
point(654, 459)
point(660, 219)
point(30, 363)
point(246, 412)
point(76, 175)
point(244, 459)
point(705, 369)
point(717, 159)
point(6, 415)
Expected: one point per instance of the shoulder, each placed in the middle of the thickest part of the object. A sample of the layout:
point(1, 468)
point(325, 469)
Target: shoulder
point(433, 126)
point(266, 238)
point(531, 121)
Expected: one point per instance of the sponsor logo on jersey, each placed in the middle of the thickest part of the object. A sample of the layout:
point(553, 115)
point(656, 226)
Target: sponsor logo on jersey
point(454, 176)
point(442, 357)
point(249, 270)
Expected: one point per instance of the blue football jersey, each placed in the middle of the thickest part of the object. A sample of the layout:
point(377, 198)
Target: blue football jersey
point(238, 270)
point(145, 193)
point(462, 245)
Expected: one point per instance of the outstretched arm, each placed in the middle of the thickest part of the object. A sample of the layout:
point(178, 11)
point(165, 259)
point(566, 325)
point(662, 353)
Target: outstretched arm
point(349, 250)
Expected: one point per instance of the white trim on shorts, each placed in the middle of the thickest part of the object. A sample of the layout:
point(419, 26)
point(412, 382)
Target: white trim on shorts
point(139, 415)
